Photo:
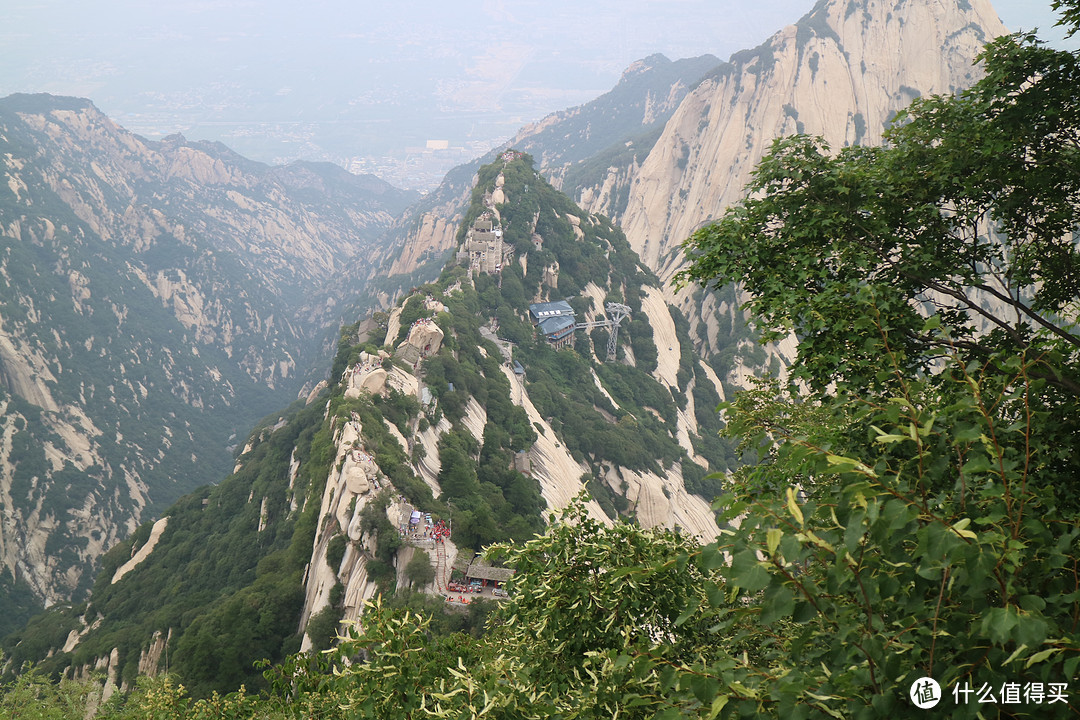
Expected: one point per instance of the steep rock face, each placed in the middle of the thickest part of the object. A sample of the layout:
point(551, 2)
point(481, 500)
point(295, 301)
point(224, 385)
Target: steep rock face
point(416, 244)
point(842, 73)
point(432, 237)
point(610, 191)
point(352, 484)
point(156, 298)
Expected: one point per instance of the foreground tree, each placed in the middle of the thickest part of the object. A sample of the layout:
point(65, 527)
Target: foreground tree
point(885, 540)
point(598, 617)
point(916, 510)
point(965, 215)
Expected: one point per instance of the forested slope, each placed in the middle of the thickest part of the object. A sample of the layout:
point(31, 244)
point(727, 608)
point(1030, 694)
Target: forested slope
point(294, 539)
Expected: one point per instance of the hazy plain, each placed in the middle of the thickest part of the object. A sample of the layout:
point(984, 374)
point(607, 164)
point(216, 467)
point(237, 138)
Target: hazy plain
point(403, 90)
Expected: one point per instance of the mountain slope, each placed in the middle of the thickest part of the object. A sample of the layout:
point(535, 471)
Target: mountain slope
point(425, 414)
point(154, 301)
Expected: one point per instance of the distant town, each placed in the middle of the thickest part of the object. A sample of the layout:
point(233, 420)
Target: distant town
point(421, 168)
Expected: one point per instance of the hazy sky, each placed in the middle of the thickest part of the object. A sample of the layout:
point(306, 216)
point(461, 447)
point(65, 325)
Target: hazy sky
point(340, 79)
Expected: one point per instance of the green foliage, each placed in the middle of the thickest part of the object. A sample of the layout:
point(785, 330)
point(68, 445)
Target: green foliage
point(419, 569)
point(891, 540)
point(33, 696)
point(387, 668)
point(699, 481)
point(398, 408)
point(641, 340)
point(335, 551)
point(561, 386)
point(322, 627)
point(583, 595)
point(41, 635)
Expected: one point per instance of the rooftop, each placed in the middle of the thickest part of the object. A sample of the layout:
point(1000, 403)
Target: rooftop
point(551, 309)
point(556, 323)
point(480, 570)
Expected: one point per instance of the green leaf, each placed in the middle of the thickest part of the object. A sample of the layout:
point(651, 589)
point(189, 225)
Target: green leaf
point(1071, 665)
point(1019, 651)
point(772, 539)
point(998, 623)
point(959, 529)
point(845, 464)
point(804, 612)
point(704, 688)
point(793, 507)
point(779, 602)
point(688, 613)
point(1032, 603)
point(747, 571)
point(712, 558)
point(718, 704)
point(1039, 656)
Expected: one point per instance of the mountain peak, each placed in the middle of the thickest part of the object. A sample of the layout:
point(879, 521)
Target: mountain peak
point(842, 72)
point(644, 65)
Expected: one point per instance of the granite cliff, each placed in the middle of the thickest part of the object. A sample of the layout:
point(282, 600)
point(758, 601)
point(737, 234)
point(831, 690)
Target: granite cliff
point(156, 298)
point(842, 72)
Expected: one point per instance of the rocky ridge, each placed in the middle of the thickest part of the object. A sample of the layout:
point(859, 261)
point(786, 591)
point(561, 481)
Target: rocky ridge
point(156, 299)
point(426, 413)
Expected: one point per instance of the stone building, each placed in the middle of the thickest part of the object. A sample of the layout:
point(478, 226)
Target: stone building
point(484, 246)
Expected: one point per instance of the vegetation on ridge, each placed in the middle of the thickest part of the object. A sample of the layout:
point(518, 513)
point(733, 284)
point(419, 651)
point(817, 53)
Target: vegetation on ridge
point(224, 583)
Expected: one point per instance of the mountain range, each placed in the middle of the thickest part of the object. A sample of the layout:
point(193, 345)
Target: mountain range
point(156, 299)
point(842, 72)
point(159, 298)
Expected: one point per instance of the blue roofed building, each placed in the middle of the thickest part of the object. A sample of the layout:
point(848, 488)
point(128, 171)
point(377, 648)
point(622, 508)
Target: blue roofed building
point(555, 321)
point(558, 330)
